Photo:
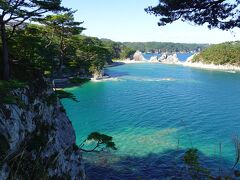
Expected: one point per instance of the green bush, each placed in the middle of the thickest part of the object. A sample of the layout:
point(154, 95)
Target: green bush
point(6, 87)
point(78, 81)
point(63, 95)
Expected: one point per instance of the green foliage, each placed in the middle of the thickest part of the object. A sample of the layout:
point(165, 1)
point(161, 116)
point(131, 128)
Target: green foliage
point(51, 99)
point(164, 46)
point(65, 95)
point(225, 53)
point(31, 48)
point(87, 54)
point(10, 85)
point(60, 28)
point(78, 81)
point(118, 50)
point(6, 88)
point(102, 142)
point(220, 14)
point(191, 159)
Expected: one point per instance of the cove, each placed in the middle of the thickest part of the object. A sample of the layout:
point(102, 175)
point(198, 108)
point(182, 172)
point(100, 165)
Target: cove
point(154, 112)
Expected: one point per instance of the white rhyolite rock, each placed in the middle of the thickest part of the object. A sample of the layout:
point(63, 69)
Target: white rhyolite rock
point(23, 121)
point(154, 59)
point(163, 57)
point(169, 59)
point(98, 75)
point(138, 56)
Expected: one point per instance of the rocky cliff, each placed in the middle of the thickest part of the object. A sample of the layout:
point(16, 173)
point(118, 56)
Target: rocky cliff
point(37, 140)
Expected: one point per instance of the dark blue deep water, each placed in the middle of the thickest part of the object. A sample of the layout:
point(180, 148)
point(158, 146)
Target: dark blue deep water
point(154, 112)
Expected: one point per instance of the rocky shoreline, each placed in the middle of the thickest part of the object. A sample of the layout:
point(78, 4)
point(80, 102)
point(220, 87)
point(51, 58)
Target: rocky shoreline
point(173, 59)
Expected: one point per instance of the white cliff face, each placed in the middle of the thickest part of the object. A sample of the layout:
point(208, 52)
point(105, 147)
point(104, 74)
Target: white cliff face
point(98, 75)
point(39, 117)
point(138, 56)
point(169, 59)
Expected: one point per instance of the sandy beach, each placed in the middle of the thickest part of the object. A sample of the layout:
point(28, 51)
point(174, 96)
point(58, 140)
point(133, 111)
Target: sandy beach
point(200, 65)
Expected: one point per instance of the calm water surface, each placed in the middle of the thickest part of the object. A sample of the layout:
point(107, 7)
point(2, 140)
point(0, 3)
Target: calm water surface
point(155, 112)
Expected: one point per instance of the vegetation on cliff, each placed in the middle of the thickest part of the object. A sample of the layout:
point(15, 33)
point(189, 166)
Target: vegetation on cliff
point(224, 53)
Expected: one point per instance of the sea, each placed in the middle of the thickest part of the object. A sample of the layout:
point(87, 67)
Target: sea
point(155, 113)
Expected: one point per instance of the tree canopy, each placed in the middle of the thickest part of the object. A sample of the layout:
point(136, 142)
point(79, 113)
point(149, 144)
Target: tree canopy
point(63, 27)
point(222, 14)
point(14, 13)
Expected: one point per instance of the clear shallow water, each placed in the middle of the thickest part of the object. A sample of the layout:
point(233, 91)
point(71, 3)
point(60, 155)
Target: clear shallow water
point(154, 112)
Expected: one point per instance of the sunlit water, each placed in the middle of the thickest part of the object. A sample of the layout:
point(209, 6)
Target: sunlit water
point(155, 112)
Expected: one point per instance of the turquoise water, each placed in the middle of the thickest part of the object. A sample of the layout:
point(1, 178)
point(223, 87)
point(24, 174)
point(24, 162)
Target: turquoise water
point(154, 112)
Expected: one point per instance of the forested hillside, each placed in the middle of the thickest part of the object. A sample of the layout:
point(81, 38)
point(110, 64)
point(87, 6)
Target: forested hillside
point(40, 46)
point(225, 53)
point(164, 46)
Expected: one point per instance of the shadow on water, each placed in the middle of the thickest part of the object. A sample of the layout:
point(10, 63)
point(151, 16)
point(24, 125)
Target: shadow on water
point(167, 165)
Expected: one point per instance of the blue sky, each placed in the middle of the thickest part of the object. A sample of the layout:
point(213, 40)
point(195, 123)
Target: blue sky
point(126, 20)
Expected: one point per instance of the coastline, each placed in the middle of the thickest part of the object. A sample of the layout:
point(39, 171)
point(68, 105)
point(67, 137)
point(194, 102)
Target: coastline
point(65, 83)
point(200, 65)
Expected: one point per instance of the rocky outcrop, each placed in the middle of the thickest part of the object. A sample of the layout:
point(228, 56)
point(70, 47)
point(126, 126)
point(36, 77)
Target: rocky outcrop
point(37, 139)
point(138, 56)
point(154, 59)
point(98, 74)
point(169, 59)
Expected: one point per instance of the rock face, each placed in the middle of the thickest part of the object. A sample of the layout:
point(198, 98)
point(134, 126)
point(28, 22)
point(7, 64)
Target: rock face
point(138, 56)
point(37, 139)
point(98, 75)
point(154, 59)
point(169, 59)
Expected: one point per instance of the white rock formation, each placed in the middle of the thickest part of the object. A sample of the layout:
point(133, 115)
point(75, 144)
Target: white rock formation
point(138, 56)
point(154, 59)
point(98, 75)
point(169, 59)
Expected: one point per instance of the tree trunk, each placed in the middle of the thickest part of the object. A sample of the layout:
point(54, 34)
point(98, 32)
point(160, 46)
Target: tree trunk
point(6, 68)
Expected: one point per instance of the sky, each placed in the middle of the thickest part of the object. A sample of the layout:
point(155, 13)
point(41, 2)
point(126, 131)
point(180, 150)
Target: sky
point(126, 20)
